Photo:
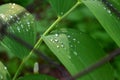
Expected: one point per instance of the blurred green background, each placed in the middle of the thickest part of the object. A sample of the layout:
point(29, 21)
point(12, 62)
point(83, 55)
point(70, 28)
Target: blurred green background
point(81, 19)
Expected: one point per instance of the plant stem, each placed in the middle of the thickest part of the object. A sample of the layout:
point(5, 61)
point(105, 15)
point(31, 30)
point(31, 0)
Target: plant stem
point(46, 32)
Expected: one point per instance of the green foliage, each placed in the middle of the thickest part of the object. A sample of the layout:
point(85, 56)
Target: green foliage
point(109, 21)
point(77, 50)
point(4, 75)
point(21, 23)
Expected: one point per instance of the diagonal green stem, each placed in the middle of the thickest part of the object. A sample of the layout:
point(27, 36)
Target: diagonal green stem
point(46, 32)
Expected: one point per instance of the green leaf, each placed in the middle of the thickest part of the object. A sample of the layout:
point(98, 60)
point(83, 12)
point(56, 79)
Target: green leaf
point(106, 17)
point(21, 23)
point(61, 6)
point(4, 75)
point(77, 51)
point(37, 77)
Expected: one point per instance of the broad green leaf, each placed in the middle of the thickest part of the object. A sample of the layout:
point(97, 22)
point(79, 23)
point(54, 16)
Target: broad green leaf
point(61, 6)
point(4, 75)
point(106, 17)
point(37, 77)
point(21, 23)
point(77, 51)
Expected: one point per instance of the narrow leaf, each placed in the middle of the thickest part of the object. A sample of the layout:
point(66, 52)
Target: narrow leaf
point(106, 16)
point(21, 23)
point(77, 51)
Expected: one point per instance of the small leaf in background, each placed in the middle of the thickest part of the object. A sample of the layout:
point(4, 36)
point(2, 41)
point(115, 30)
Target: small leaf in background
point(61, 6)
point(107, 18)
point(77, 51)
point(37, 77)
point(4, 75)
point(21, 23)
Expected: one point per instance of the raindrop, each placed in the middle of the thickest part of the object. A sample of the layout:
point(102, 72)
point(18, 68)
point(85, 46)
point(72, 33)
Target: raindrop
point(78, 42)
point(11, 17)
point(51, 40)
point(58, 46)
point(69, 57)
point(74, 39)
point(13, 4)
point(27, 30)
point(56, 35)
point(105, 8)
point(109, 11)
point(18, 29)
point(71, 46)
point(75, 53)
point(5, 68)
point(21, 26)
point(27, 14)
point(68, 36)
point(1, 77)
point(56, 40)
point(28, 23)
point(2, 15)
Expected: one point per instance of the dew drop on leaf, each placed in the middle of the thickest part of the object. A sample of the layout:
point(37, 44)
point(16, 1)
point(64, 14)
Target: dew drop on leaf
point(75, 53)
point(56, 35)
point(56, 40)
point(1, 77)
point(58, 46)
point(69, 56)
point(5, 68)
point(68, 36)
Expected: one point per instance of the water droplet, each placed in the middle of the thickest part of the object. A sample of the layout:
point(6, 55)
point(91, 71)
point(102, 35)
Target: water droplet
point(62, 45)
point(58, 46)
point(78, 42)
point(13, 4)
point(75, 53)
point(1, 77)
point(56, 40)
point(69, 56)
point(68, 36)
point(74, 39)
point(56, 35)
point(2, 15)
point(27, 14)
point(5, 68)
point(27, 30)
point(109, 11)
point(18, 29)
point(28, 23)
point(71, 46)
point(51, 40)
point(21, 26)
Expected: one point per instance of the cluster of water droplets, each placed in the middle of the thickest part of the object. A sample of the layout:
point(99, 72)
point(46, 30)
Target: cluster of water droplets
point(56, 40)
point(21, 22)
point(111, 9)
point(73, 42)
